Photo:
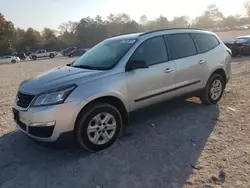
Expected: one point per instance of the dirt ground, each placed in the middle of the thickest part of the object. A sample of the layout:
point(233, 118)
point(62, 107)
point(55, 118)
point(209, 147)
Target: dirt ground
point(170, 145)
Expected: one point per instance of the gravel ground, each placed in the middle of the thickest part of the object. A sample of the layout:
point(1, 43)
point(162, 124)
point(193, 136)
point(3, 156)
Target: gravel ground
point(173, 144)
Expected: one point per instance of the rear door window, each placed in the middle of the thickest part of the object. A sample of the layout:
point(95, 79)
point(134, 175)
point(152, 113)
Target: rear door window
point(205, 42)
point(181, 45)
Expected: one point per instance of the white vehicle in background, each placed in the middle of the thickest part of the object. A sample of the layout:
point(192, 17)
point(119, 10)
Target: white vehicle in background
point(9, 59)
point(42, 53)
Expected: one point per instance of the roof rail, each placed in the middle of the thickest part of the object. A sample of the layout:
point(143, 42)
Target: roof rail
point(169, 29)
point(123, 34)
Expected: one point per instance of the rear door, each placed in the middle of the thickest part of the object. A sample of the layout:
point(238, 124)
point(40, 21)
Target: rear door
point(150, 85)
point(210, 51)
point(190, 67)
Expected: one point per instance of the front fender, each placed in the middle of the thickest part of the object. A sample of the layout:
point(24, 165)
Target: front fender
point(110, 86)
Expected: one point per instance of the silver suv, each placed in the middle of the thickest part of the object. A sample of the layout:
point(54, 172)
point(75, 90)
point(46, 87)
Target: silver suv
point(92, 97)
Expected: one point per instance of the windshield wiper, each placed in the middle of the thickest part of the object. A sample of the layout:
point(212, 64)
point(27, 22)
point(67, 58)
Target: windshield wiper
point(84, 67)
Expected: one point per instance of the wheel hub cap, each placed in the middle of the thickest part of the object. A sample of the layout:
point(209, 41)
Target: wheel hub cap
point(101, 128)
point(216, 89)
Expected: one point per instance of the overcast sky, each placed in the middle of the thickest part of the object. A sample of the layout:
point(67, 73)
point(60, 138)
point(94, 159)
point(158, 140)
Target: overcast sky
point(50, 13)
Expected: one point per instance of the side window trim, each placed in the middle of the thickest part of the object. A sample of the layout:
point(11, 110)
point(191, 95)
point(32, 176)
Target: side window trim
point(196, 43)
point(167, 48)
point(160, 36)
point(199, 46)
point(170, 55)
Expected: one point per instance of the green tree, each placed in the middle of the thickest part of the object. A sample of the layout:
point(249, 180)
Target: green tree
point(247, 7)
point(231, 22)
point(7, 30)
point(212, 17)
point(160, 23)
point(18, 38)
point(181, 21)
point(143, 20)
point(32, 40)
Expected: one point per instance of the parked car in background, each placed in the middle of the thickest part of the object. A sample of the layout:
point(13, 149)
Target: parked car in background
point(21, 55)
point(9, 59)
point(42, 53)
point(93, 97)
point(229, 43)
point(66, 51)
point(28, 53)
point(242, 45)
point(239, 45)
point(77, 52)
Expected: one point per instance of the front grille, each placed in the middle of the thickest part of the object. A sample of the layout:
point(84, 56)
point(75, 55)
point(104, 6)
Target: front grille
point(24, 100)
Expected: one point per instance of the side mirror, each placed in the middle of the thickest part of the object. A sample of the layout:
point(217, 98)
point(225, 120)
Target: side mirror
point(136, 64)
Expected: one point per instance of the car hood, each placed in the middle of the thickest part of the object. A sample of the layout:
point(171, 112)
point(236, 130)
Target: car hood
point(58, 77)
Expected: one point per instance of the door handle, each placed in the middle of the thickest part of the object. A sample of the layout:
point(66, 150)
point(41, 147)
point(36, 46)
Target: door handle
point(201, 62)
point(168, 70)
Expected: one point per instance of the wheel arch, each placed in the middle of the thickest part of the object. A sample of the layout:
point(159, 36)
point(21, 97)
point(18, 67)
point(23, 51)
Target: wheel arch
point(221, 72)
point(112, 100)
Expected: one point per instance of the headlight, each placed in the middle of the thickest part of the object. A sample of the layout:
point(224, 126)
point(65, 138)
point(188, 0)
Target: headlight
point(53, 97)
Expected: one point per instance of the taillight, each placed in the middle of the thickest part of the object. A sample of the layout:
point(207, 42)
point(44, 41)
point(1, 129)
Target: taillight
point(229, 51)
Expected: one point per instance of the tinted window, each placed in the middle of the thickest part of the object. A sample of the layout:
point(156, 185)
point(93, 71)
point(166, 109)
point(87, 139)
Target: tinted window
point(205, 42)
point(181, 45)
point(152, 51)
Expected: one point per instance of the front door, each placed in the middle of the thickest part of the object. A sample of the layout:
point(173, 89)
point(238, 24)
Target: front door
point(39, 53)
point(148, 86)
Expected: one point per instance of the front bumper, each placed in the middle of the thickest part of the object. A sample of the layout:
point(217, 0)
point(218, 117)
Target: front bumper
point(47, 123)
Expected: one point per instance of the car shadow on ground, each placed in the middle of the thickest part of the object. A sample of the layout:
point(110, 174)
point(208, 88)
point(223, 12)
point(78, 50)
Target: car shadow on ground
point(157, 150)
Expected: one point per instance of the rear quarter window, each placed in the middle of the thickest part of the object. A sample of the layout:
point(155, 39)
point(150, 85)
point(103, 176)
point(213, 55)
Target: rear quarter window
point(205, 42)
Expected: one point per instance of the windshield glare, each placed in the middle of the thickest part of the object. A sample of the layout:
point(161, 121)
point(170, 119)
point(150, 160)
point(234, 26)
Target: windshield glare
point(105, 55)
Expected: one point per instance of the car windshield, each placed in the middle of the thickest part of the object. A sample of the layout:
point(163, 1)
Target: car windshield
point(105, 55)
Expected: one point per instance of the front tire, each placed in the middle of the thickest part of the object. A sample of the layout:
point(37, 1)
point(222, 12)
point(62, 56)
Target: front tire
point(34, 57)
point(98, 127)
point(213, 90)
point(13, 61)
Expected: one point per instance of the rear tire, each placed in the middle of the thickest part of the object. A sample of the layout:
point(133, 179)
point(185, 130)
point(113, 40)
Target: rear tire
point(13, 61)
point(34, 57)
point(213, 90)
point(98, 127)
point(51, 55)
